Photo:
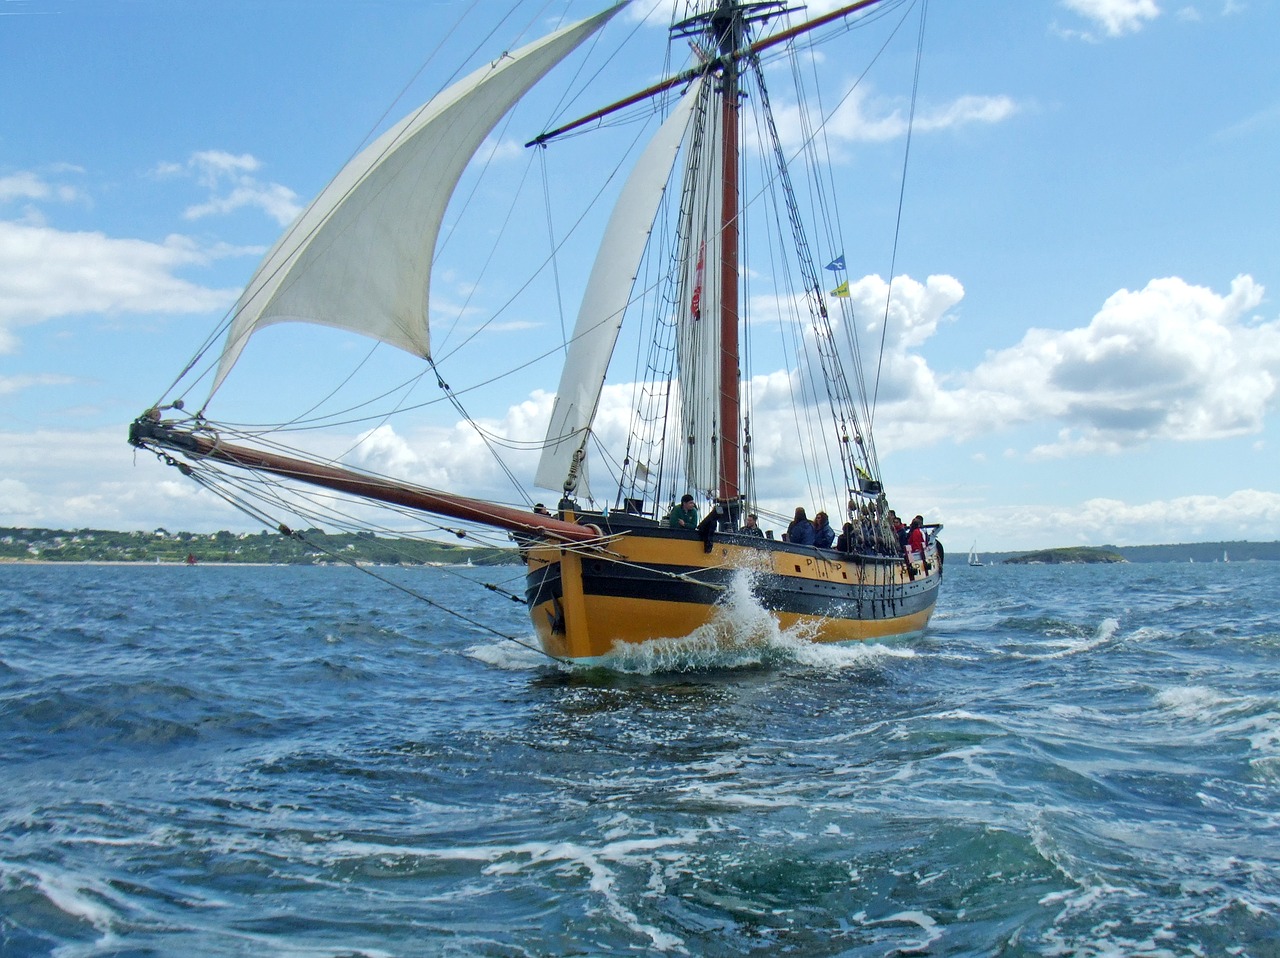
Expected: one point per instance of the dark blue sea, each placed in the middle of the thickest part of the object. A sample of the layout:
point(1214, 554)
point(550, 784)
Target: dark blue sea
point(221, 761)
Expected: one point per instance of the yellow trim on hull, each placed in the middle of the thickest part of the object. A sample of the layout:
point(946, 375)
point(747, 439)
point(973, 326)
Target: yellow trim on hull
point(579, 625)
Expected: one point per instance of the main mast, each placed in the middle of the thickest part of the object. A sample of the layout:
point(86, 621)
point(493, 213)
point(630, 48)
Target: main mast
point(727, 26)
point(724, 28)
point(720, 33)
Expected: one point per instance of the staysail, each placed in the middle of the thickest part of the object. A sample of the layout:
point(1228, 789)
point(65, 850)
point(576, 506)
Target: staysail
point(359, 257)
point(608, 291)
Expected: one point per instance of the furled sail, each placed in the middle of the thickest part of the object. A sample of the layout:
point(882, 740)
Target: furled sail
point(359, 257)
point(563, 464)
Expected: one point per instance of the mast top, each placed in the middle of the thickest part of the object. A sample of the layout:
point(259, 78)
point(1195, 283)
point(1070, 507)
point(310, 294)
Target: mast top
point(719, 23)
point(721, 20)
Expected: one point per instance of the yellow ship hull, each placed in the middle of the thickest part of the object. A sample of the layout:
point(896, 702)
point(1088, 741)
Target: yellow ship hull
point(652, 583)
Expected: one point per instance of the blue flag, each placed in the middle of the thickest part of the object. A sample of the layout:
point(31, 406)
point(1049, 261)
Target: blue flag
point(837, 263)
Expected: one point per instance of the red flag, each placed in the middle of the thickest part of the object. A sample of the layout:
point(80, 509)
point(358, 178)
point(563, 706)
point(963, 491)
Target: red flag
point(696, 304)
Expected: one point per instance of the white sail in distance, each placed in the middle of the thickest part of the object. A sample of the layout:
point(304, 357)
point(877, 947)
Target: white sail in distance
point(359, 257)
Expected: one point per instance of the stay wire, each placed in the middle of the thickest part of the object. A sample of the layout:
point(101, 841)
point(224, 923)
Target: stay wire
point(414, 593)
point(902, 191)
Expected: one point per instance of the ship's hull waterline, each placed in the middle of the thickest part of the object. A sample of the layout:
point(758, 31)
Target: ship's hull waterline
point(651, 583)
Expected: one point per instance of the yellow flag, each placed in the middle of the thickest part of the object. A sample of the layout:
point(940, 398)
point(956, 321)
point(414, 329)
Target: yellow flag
point(841, 290)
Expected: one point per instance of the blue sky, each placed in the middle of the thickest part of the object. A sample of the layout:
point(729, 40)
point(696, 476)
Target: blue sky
point(1090, 248)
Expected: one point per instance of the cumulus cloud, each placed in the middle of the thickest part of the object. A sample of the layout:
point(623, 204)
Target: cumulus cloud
point(1169, 361)
point(456, 458)
point(75, 479)
point(863, 117)
point(233, 184)
point(24, 186)
point(1193, 518)
point(46, 273)
point(1115, 17)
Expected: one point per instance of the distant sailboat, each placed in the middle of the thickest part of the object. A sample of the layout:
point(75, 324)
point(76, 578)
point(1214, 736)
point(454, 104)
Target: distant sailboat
point(974, 558)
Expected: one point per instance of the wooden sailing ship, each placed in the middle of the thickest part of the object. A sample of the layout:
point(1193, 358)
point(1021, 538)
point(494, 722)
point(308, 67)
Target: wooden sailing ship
point(602, 571)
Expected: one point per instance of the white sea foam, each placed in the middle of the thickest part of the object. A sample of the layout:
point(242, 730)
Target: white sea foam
point(510, 655)
point(1265, 741)
point(926, 924)
point(598, 863)
point(80, 897)
point(744, 634)
point(1075, 645)
point(1192, 701)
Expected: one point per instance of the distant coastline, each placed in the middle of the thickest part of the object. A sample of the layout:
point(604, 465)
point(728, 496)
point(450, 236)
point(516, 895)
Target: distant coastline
point(307, 547)
point(1189, 552)
point(316, 547)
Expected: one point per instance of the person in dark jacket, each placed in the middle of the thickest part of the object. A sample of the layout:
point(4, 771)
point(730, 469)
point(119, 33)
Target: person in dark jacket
point(750, 527)
point(823, 534)
point(801, 529)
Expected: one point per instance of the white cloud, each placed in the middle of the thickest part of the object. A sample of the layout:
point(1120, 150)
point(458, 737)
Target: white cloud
point(14, 384)
point(495, 150)
point(74, 479)
point(862, 117)
point(1171, 361)
point(46, 273)
point(1193, 518)
point(32, 187)
point(233, 185)
point(23, 185)
point(1116, 17)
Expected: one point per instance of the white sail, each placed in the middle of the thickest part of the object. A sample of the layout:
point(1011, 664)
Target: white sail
point(359, 257)
point(563, 463)
point(698, 328)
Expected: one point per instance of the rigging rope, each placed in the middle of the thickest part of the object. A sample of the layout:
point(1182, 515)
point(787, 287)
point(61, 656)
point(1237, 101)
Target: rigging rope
point(902, 190)
point(206, 479)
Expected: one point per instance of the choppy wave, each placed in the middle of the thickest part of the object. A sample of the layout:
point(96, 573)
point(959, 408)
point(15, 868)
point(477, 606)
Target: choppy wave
point(1072, 761)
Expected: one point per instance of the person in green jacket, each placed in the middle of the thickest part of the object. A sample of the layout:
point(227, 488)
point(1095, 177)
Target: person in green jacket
point(685, 515)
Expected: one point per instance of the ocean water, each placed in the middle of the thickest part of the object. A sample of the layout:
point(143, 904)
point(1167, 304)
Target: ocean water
point(220, 761)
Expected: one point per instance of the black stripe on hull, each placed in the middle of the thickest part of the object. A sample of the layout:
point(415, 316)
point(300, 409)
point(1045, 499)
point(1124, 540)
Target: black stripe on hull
point(791, 594)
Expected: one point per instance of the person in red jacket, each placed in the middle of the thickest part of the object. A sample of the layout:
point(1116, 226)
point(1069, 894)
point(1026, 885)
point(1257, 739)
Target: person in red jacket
point(916, 541)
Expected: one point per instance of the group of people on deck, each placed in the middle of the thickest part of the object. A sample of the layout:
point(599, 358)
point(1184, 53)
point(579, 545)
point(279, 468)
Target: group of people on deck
point(910, 538)
point(805, 532)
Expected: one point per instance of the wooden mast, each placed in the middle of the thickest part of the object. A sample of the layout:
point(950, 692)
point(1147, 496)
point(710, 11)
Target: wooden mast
point(727, 27)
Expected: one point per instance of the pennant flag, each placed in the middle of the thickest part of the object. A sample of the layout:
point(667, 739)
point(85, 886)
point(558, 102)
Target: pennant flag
point(841, 290)
point(837, 263)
